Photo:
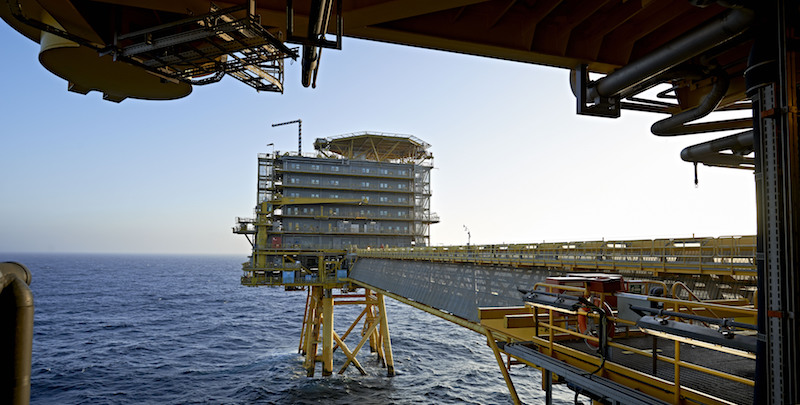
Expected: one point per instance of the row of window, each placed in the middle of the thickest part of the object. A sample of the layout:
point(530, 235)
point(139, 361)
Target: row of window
point(336, 182)
point(334, 211)
point(346, 227)
point(350, 169)
point(381, 199)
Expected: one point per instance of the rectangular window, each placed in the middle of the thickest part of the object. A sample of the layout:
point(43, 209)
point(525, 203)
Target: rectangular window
point(295, 165)
point(334, 182)
point(383, 212)
point(402, 199)
point(384, 199)
point(402, 186)
point(401, 172)
point(384, 185)
point(334, 168)
point(294, 180)
point(365, 170)
point(315, 167)
point(314, 181)
point(364, 184)
point(334, 195)
point(401, 214)
point(314, 195)
point(384, 171)
point(294, 194)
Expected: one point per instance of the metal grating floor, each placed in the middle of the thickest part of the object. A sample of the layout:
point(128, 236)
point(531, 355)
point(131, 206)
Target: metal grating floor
point(713, 385)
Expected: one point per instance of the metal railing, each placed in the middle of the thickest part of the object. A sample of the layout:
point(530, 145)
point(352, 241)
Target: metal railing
point(733, 256)
point(554, 326)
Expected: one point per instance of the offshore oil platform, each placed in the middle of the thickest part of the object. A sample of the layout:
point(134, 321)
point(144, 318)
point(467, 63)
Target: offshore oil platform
point(362, 190)
point(681, 320)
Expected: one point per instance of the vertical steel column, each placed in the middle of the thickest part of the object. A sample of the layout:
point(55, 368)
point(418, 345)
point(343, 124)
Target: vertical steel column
point(370, 319)
point(547, 380)
point(327, 333)
point(387, 342)
point(677, 357)
point(772, 86)
point(306, 316)
point(312, 330)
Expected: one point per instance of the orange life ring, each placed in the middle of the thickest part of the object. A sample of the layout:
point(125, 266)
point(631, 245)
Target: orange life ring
point(584, 321)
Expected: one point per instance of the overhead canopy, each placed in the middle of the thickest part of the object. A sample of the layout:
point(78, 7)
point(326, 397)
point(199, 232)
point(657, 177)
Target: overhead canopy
point(564, 33)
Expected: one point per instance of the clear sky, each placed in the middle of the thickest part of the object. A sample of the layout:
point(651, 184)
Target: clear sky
point(513, 162)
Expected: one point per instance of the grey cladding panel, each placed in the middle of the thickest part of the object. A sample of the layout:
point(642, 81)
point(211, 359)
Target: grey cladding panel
point(455, 288)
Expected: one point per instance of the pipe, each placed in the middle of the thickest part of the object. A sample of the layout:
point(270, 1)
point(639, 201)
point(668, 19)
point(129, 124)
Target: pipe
point(676, 124)
point(16, 334)
point(16, 269)
point(709, 154)
point(670, 55)
point(318, 19)
point(687, 73)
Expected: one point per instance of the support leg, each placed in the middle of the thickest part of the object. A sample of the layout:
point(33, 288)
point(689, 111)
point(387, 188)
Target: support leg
point(387, 342)
point(327, 333)
point(506, 376)
point(312, 331)
point(371, 318)
point(547, 380)
point(306, 316)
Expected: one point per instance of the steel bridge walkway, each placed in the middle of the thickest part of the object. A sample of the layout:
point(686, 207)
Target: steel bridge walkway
point(456, 282)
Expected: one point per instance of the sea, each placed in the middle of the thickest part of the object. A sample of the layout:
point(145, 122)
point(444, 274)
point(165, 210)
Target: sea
point(168, 329)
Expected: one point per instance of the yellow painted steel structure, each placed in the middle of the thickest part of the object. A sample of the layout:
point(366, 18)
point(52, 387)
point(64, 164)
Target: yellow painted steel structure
point(724, 256)
point(546, 328)
point(318, 329)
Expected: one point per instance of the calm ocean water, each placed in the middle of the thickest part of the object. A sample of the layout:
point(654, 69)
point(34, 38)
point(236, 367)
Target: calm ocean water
point(116, 329)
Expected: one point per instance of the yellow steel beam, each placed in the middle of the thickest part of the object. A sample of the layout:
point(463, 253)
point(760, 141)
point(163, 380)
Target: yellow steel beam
point(312, 330)
point(327, 336)
point(301, 347)
point(350, 355)
point(387, 343)
point(360, 345)
point(491, 342)
point(353, 325)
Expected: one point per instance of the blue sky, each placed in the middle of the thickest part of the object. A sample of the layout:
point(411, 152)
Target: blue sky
point(514, 163)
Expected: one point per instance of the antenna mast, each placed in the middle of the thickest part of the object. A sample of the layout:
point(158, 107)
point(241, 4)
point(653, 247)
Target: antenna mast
point(299, 133)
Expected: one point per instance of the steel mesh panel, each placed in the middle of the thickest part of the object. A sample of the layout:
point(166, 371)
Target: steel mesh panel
point(455, 288)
